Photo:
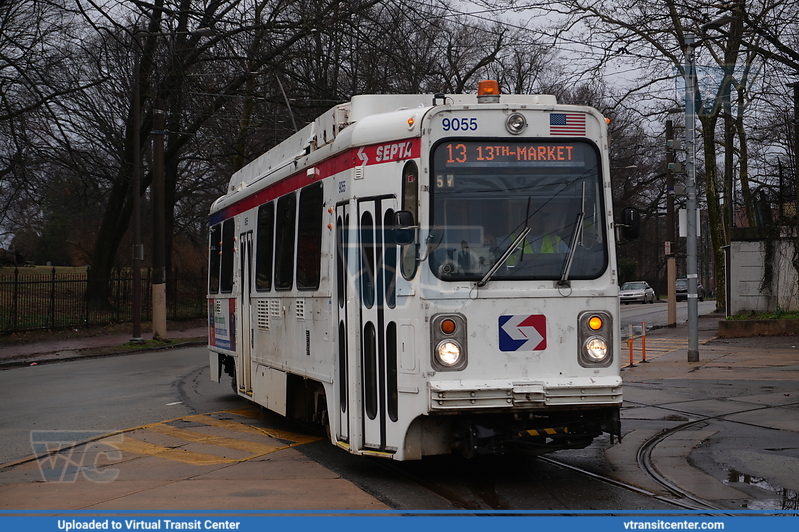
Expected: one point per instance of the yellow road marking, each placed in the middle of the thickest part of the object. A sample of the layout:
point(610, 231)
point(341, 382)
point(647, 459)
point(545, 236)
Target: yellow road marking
point(217, 441)
point(137, 446)
point(246, 412)
point(255, 449)
point(655, 347)
point(241, 427)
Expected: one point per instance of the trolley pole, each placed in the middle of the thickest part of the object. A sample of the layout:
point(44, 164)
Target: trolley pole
point(691, 269)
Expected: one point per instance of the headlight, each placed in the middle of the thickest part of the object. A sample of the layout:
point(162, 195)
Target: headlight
point(448, 353)
point(595, 333)
point(516, 123)
point(449, 344)
point(596, 349)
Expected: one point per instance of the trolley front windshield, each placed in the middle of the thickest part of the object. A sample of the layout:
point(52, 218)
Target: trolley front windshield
point(487, 193)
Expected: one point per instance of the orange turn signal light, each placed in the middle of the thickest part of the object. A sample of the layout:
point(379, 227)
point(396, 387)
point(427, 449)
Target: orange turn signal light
point(595, 323)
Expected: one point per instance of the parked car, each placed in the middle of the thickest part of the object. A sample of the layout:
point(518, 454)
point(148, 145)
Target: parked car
point(636, 291)
point(682, 290)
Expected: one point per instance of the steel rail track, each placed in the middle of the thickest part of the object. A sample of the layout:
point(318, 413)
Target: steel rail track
point(644, 454)
point(485, 490)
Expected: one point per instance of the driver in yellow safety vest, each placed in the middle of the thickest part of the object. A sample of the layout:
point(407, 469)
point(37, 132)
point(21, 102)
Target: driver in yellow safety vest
point(548, 243)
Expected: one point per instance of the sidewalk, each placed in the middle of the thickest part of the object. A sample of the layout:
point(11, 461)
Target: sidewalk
point(180, 334)
point(727, 423)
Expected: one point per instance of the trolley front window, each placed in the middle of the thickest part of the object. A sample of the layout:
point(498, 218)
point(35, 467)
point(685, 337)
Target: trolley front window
point(487, 193)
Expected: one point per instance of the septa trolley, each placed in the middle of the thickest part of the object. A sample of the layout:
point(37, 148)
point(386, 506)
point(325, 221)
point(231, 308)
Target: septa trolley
point(385, 272)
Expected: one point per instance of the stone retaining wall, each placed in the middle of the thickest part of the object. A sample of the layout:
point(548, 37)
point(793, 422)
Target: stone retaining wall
point(744, 328)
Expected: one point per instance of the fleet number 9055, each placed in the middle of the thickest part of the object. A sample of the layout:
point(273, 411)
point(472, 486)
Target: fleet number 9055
point(459, 124)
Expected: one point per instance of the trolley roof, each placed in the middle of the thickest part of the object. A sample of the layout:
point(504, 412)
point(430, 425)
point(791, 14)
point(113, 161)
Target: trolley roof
point(348, 124)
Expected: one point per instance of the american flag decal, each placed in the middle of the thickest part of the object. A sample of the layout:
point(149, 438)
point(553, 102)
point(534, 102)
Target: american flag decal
point(570, 124)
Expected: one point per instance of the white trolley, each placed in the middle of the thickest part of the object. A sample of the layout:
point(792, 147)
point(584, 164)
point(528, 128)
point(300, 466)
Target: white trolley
point(425, 274)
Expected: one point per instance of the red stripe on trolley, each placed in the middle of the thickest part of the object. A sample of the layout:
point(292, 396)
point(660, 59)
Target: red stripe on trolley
point(354, 157)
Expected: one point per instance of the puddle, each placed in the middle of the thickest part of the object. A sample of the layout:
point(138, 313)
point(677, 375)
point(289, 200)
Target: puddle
point(675, 417)
point(785, 499)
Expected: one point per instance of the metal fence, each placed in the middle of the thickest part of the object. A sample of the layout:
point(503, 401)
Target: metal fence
point(31, 301)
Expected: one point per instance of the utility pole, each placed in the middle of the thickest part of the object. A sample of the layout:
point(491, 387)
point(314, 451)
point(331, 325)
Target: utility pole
point(159, 262)
point(138, 249)
point(671, 260)
point(158, 197)
point(690, 189)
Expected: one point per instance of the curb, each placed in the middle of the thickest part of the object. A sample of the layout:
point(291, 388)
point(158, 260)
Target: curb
point(92, 353)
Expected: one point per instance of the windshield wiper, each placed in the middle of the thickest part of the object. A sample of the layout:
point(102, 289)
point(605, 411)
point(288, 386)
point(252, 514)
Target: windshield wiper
point(487, 277)
point(567, 265)
point(578, 226)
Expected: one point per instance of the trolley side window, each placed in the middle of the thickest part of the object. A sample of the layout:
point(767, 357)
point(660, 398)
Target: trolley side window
point(309, 238)
point(226, 276)
point(265, 243)
point(410, 203)
point(390, 259)
point(367, 273)
point(284, 241)
point(214, 253)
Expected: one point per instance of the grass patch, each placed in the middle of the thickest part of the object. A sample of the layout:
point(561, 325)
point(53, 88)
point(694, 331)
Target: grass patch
point(41, 270)
point(150, 344)
point(132, 347)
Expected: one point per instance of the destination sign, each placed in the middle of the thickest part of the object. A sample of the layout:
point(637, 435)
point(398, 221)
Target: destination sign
point(492, 152)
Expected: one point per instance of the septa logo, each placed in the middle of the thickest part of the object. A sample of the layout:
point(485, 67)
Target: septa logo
point(523, 333)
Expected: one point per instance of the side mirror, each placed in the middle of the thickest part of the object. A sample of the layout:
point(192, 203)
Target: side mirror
point(404, 228)
point(631, 223)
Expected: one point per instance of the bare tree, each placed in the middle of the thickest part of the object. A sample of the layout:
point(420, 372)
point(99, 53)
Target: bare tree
point(235, 78)
point(175, 60)
point(652, 38)
point(36, 43)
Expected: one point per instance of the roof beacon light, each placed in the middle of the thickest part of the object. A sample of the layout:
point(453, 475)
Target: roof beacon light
point(488, 91)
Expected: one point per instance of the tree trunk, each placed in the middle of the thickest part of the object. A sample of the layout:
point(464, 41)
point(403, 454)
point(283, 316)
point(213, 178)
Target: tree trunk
point(714, 210)
point(743, 164)
point(112, 229)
